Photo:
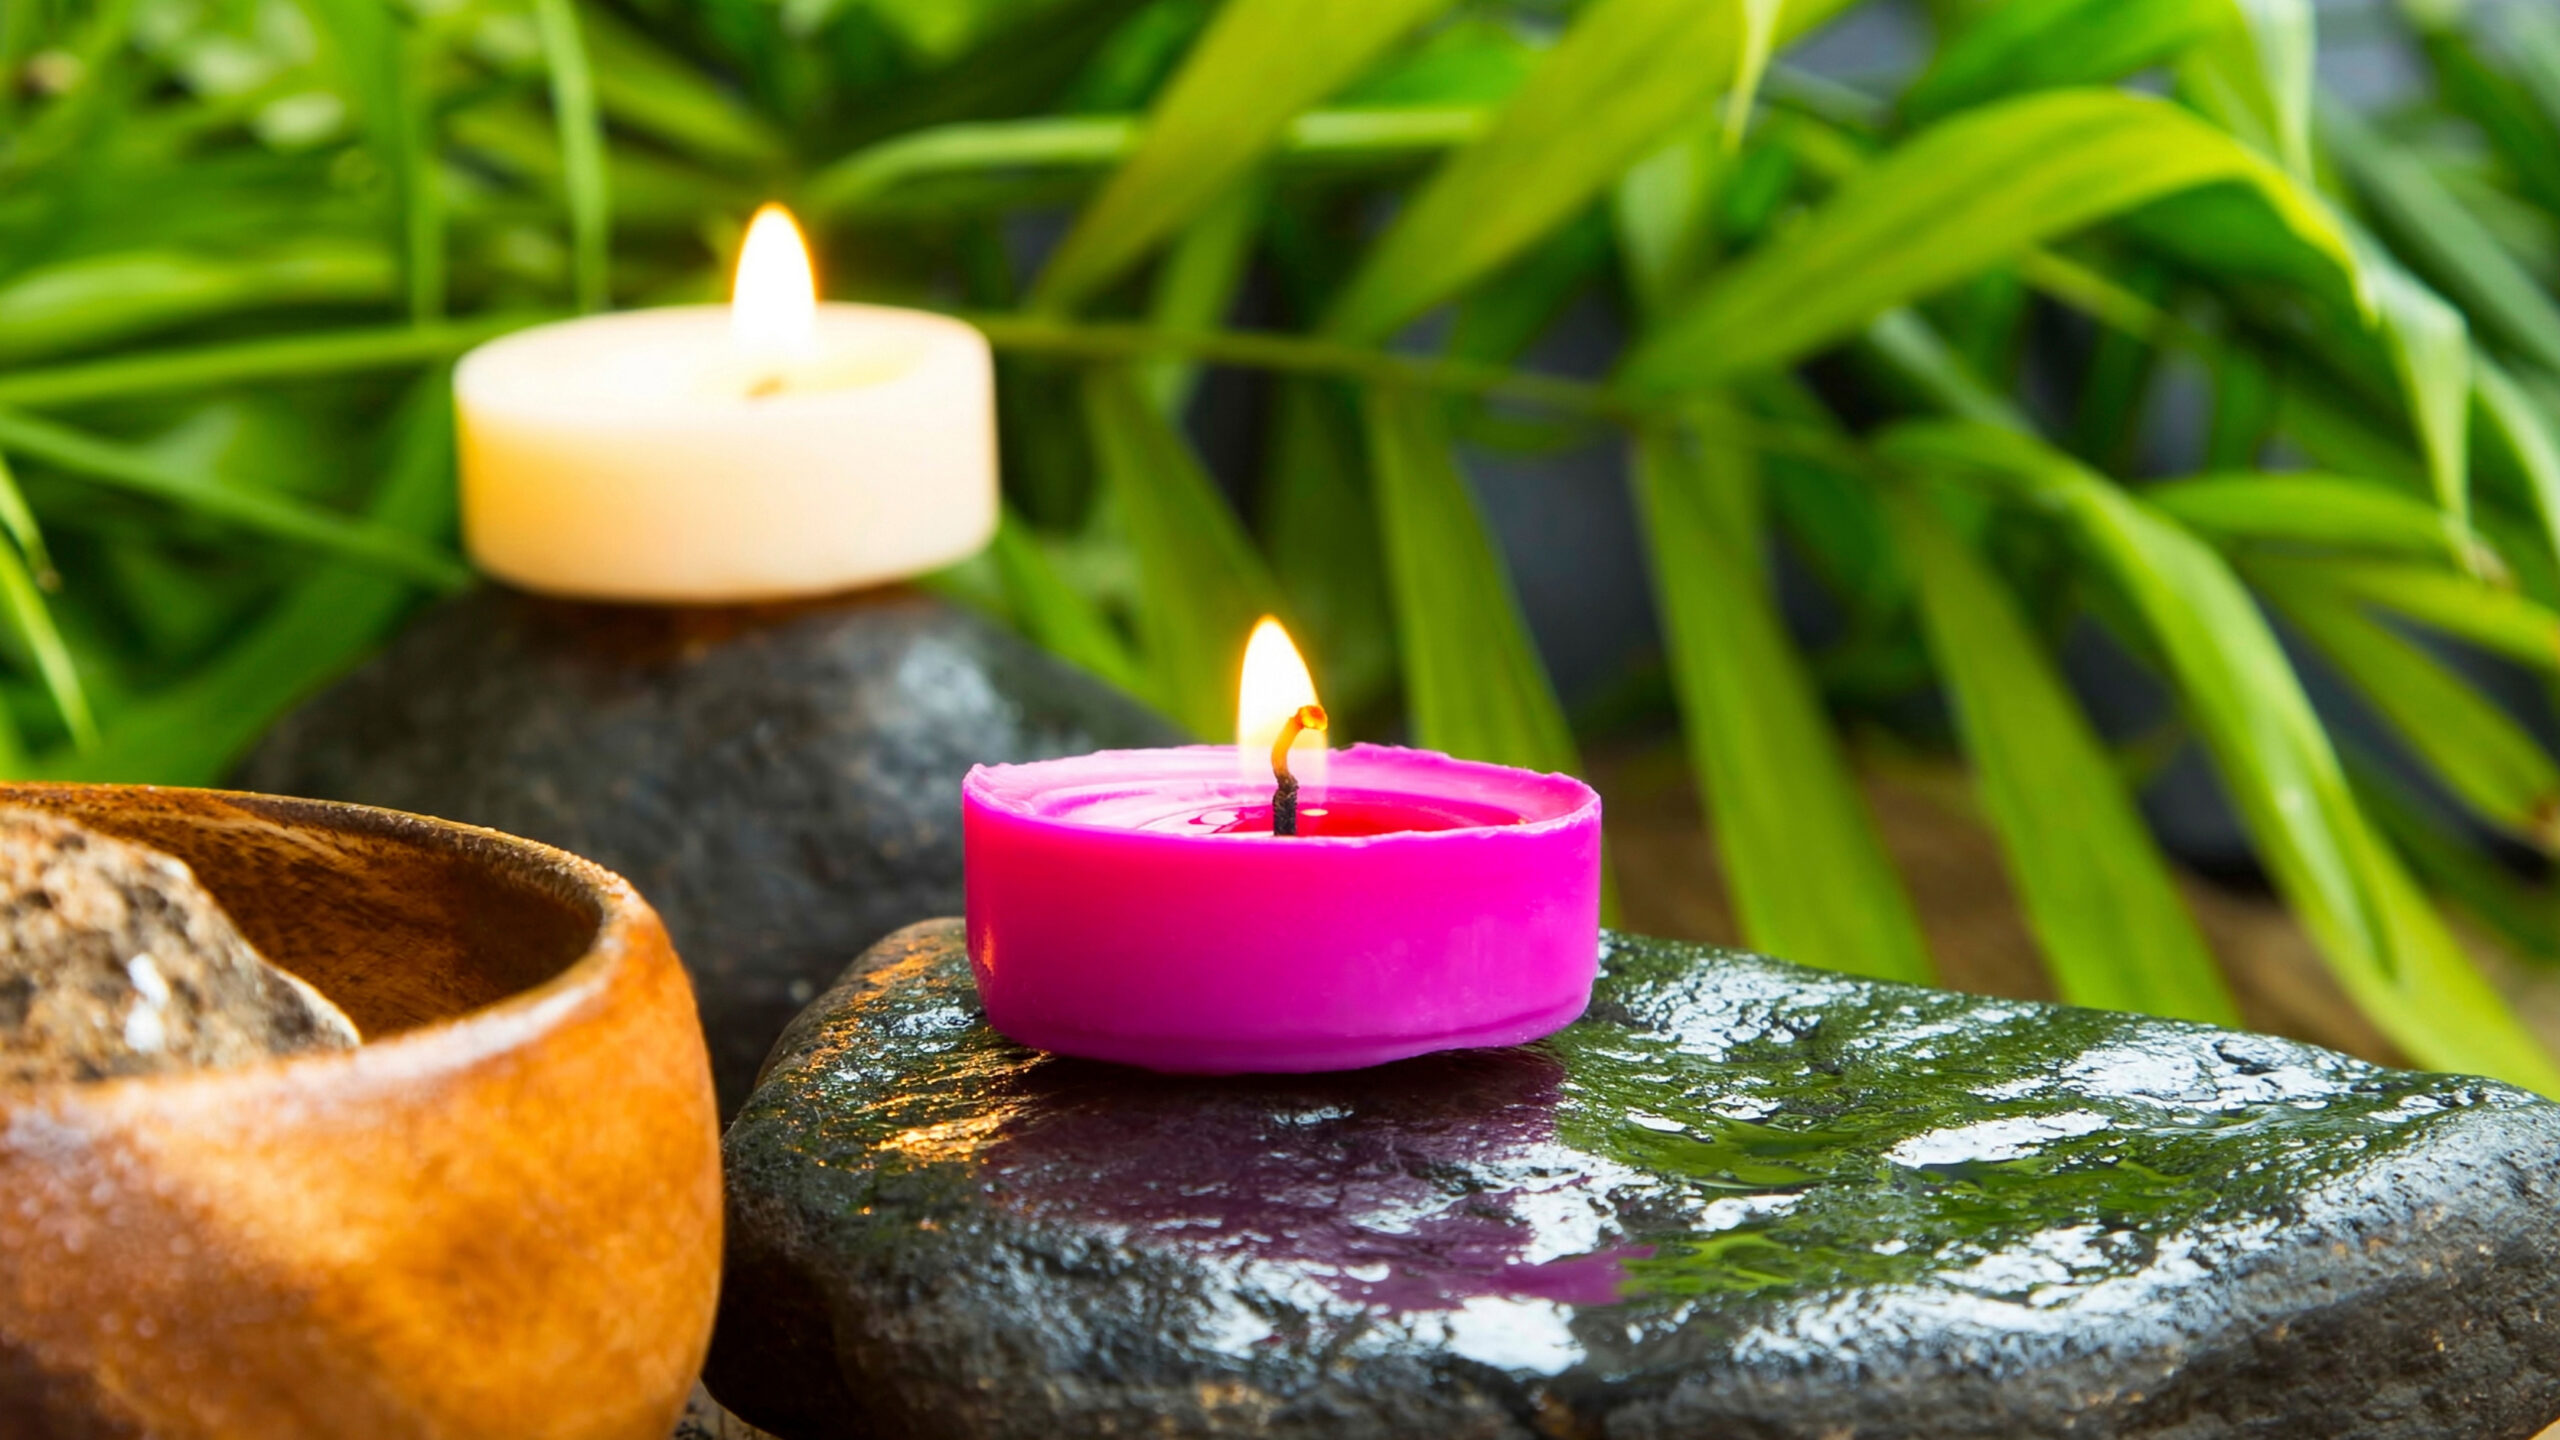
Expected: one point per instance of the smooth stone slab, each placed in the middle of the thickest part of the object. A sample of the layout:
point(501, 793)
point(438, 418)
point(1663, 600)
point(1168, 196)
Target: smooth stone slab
point(782, 782)
point(1740, 1200)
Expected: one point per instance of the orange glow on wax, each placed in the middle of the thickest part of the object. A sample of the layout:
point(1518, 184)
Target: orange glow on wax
point(773, 307)
point(1276, 686)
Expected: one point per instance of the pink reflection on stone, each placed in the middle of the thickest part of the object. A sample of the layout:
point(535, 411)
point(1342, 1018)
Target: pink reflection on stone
point(1410, 1187)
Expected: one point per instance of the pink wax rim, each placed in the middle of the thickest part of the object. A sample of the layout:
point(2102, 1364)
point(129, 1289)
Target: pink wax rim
point(1132, 905)
point(1368, 792)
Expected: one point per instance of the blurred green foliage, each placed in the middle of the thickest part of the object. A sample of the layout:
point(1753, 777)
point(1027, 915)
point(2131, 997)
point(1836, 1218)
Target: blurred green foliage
point(1911, 337)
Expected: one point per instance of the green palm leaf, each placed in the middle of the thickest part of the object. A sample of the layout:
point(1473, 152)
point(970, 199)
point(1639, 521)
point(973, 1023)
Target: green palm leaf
point(2300, 510)
point(1321, 529)
point(2029, 45)
point(2115, 933)
point(383, 85)
point(1473, 681)
point(1970, 192)
point(1202, 581)
point(1810, 879)
point(25, 571)
point(2447, 243)
point(2525, 429)
point(582, 150)
point(1261, 62)
point(2375, 928)
point(2483, 756)
point(126, 468)
point(2494, 619)
point(191, 732)
point(2431, 349)
point(93, 300)
point(1053, 613)
point(1622, 77)
point(2257, 74)
point(1196, 286)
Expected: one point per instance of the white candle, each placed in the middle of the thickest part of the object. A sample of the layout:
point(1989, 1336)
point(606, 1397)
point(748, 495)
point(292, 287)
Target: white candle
point(770, 448)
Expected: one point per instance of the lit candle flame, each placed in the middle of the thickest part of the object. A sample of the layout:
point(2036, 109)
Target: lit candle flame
point(1276, 684)
point(773, 309)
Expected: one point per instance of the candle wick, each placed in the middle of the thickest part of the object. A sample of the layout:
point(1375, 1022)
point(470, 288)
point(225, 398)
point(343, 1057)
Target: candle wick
point(1284, 795)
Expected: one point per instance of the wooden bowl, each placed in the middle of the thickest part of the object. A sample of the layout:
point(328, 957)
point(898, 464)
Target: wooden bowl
point(500, 1217)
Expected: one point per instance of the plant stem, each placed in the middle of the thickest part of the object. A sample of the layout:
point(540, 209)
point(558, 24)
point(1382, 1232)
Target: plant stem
point(328, 354)
point(287, 358)
point(1264, 350)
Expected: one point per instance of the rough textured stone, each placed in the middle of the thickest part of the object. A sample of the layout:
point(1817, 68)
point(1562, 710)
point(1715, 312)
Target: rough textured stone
point(782, 782)
point(703, 1419)
point(115, 962)
point(1739, 1200)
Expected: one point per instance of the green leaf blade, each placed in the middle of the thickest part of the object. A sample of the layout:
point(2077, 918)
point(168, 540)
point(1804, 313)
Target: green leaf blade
point(1196, 286)
point(2484, 757)
point(1474, 685)
point(582, 149)
point(1261, 62)
point(127, 294)
point(2444, 239)
point(2029, 45)
point(2467, 609)
point(1968, 193)
point(33, 621)
point(1203, 583)
point(191, 732)
point(288, 357)
point(1759, 42)
point(269, 513)
point(2115, 933)
point(2307, 510)
point(2374, 927)
point(2430, 345)
point(1322, 532)
point(657, 93)
point(382, 72)
point(1058, 617)
point(2258, 77)
point(2525, 429)
point(1623, 76)
point(1810, 878)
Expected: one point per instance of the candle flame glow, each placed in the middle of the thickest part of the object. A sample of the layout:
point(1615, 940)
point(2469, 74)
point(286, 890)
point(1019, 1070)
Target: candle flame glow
point(1275, 685)
point(773, 309)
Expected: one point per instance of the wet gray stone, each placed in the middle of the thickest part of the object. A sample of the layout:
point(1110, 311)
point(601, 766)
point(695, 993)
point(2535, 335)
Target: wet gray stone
point(1740, 1200)
point(782, 782)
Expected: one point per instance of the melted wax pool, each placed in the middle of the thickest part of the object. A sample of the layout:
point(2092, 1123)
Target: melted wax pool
point(1337, 813)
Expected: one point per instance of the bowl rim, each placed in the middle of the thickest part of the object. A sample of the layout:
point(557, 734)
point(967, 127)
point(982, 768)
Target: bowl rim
point(442, 1046)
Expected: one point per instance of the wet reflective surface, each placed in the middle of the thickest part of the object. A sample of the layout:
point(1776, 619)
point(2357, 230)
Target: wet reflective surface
point(1738, 1194)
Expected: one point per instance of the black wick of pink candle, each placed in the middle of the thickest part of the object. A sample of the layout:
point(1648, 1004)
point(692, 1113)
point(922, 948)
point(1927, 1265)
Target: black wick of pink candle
point(1284, 798)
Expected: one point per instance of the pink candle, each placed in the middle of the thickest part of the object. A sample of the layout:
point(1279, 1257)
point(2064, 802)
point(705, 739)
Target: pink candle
point(1134, 905)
